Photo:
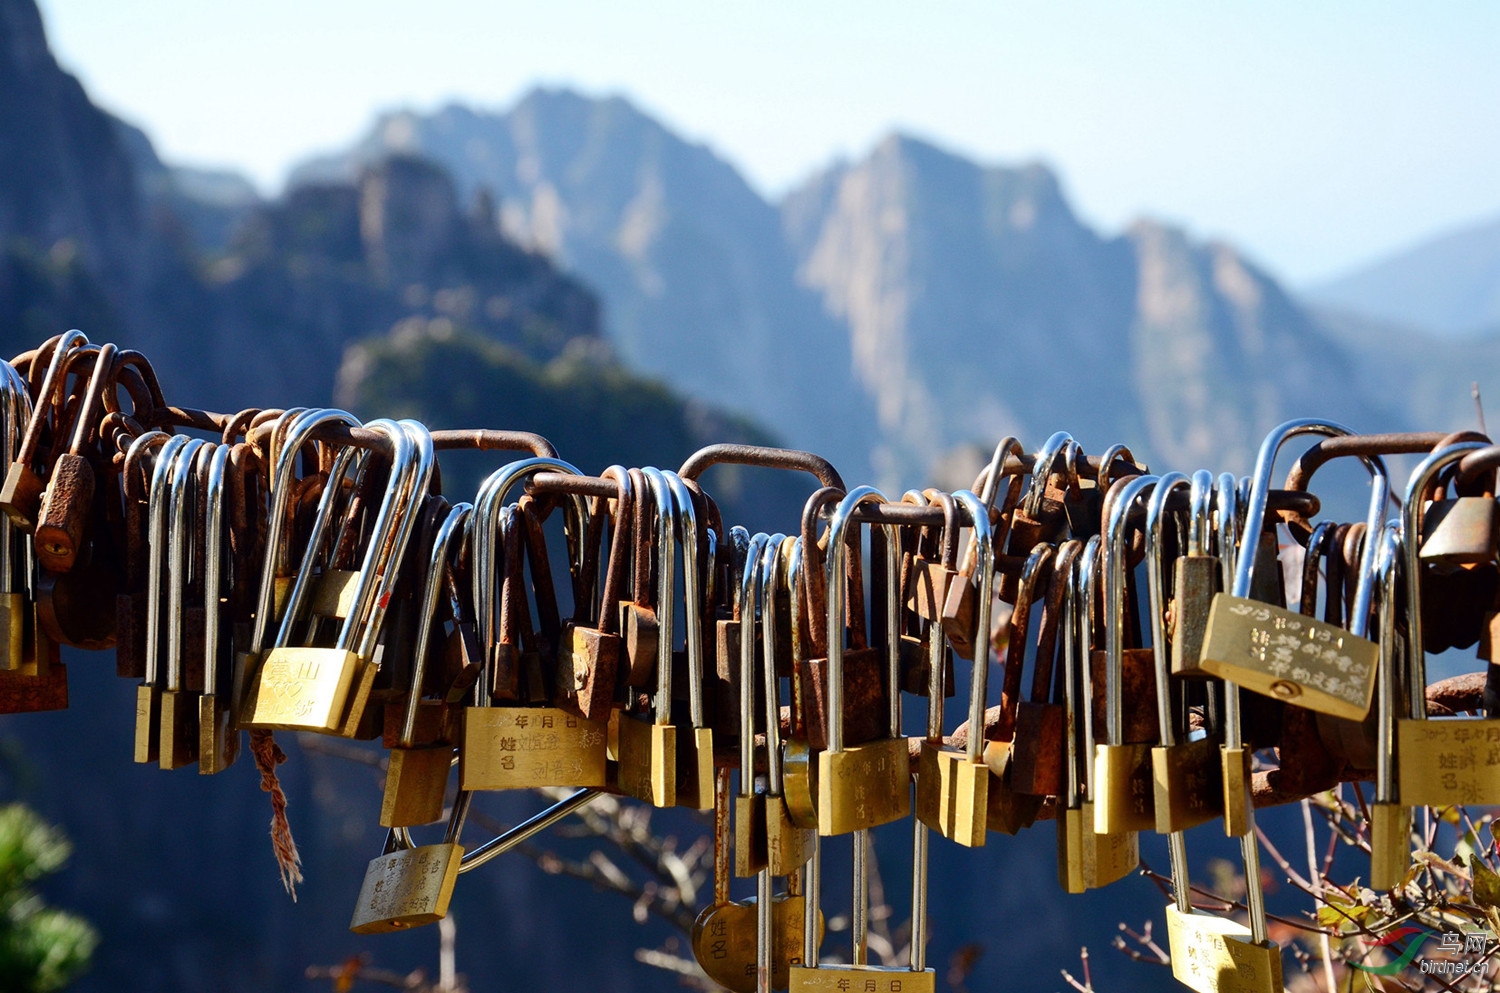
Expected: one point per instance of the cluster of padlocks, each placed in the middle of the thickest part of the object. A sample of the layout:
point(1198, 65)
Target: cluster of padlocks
point(298, 570)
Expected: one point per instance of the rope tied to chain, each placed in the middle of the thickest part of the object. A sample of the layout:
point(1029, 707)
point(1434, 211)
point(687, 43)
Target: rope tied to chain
point(268, 755)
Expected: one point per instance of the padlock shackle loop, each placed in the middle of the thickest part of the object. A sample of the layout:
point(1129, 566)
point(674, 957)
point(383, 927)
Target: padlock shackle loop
point(161, 474)
point(1087, 596)
point(1388, 572)
point(299, 425)
point(484, 526)
point(984, 564)
point(414, 482)
point(1113, 556)
point(1265, 462)
point(763, 457)
point(1411, 531)
point(213, 566)
point(454, 527)
point(1156, 512)
point(1200, 512)
point(687, 521)
point(17, 413)
point(33, 433)
point(332, 488)
point(833, 577)
point(787, 554)
point(748, 585)
point(178, 562)
point(537, 823)
point(1043, 463)
point(666, 586)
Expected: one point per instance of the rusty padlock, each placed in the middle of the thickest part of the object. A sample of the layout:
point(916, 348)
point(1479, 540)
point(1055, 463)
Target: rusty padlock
point(21, 493)
point(68, 499)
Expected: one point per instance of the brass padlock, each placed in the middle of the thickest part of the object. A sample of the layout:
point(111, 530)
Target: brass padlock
point(416, 777)
point(953, 788)
point(148, 694)
point(1187, 771)
point(865, 785)
point(695, 750)
point(179, 708)
point(518, 745)
point(647, 752)
point(1085, 860)
point(218, 741)
point(325, 690)
point(63, 513)
point(1390, 817)
point(406, 886)
point(1442, 761)
point(1277, 652)
point(1124, 794)
point(21, 493)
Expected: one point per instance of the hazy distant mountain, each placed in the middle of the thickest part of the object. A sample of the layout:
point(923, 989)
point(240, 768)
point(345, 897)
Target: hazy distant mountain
point(697, 282)
point(1449, 284)
point(954, 302)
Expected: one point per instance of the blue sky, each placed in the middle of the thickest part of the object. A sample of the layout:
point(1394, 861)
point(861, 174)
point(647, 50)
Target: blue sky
point(1316, 136)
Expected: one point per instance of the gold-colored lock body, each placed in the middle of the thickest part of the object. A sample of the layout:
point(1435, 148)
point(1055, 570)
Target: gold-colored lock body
point(407, 888)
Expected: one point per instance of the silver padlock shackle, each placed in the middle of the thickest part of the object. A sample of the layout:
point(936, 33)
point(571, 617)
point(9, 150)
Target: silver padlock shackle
point(666, 591)
point(1411, 529)
point(1200, 513)
point(1156, 512)
point(400, 837)
point(687, 521)
point(156, 538)
point(455, 528)
point(213, 567)
point(179, 559)
point(17, 413)
point(1042, 467)
point(484, 527)
point(300, 426)
point(302, 583)
point(777, 563)
point(413, 490)
point(1112, 562)
point(1388, 573)
point(1260, 491)
point(985, 565)
point(748, 584)
point(1085, 595)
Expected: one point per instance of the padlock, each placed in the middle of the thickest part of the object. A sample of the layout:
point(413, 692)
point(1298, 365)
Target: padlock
point(130, 603)
point(148, 694)
point(1037, 757)
point(932, 577)
point(518, 746)
point(1137, 676)
point(695, 750)
point(21, 493)
point(1437, 761)
point(218, 741)
point(1124, 795)
point(953, 788)
point(1007, 809)
point(750, 855)
point(1085, 860)
point(815, 976)
point(1195, 581)
point(1276, 652)
point(1390, 817)
point(67, 501)
point(179, 708)
point(1234, 756)
point(929, 576)
point(863, 785)
point(734, 555)
point(407, 887)
point(959, 603)
point(1212, 954)
point(588, 655)
point(788, 842)
point(325, 690)
point(864, 693)
point(647, 751)
point(1187, 771)
point(1040, 516)
point(416, 777)
point(799, 761)
point(1461, 530)
point(15, 607)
